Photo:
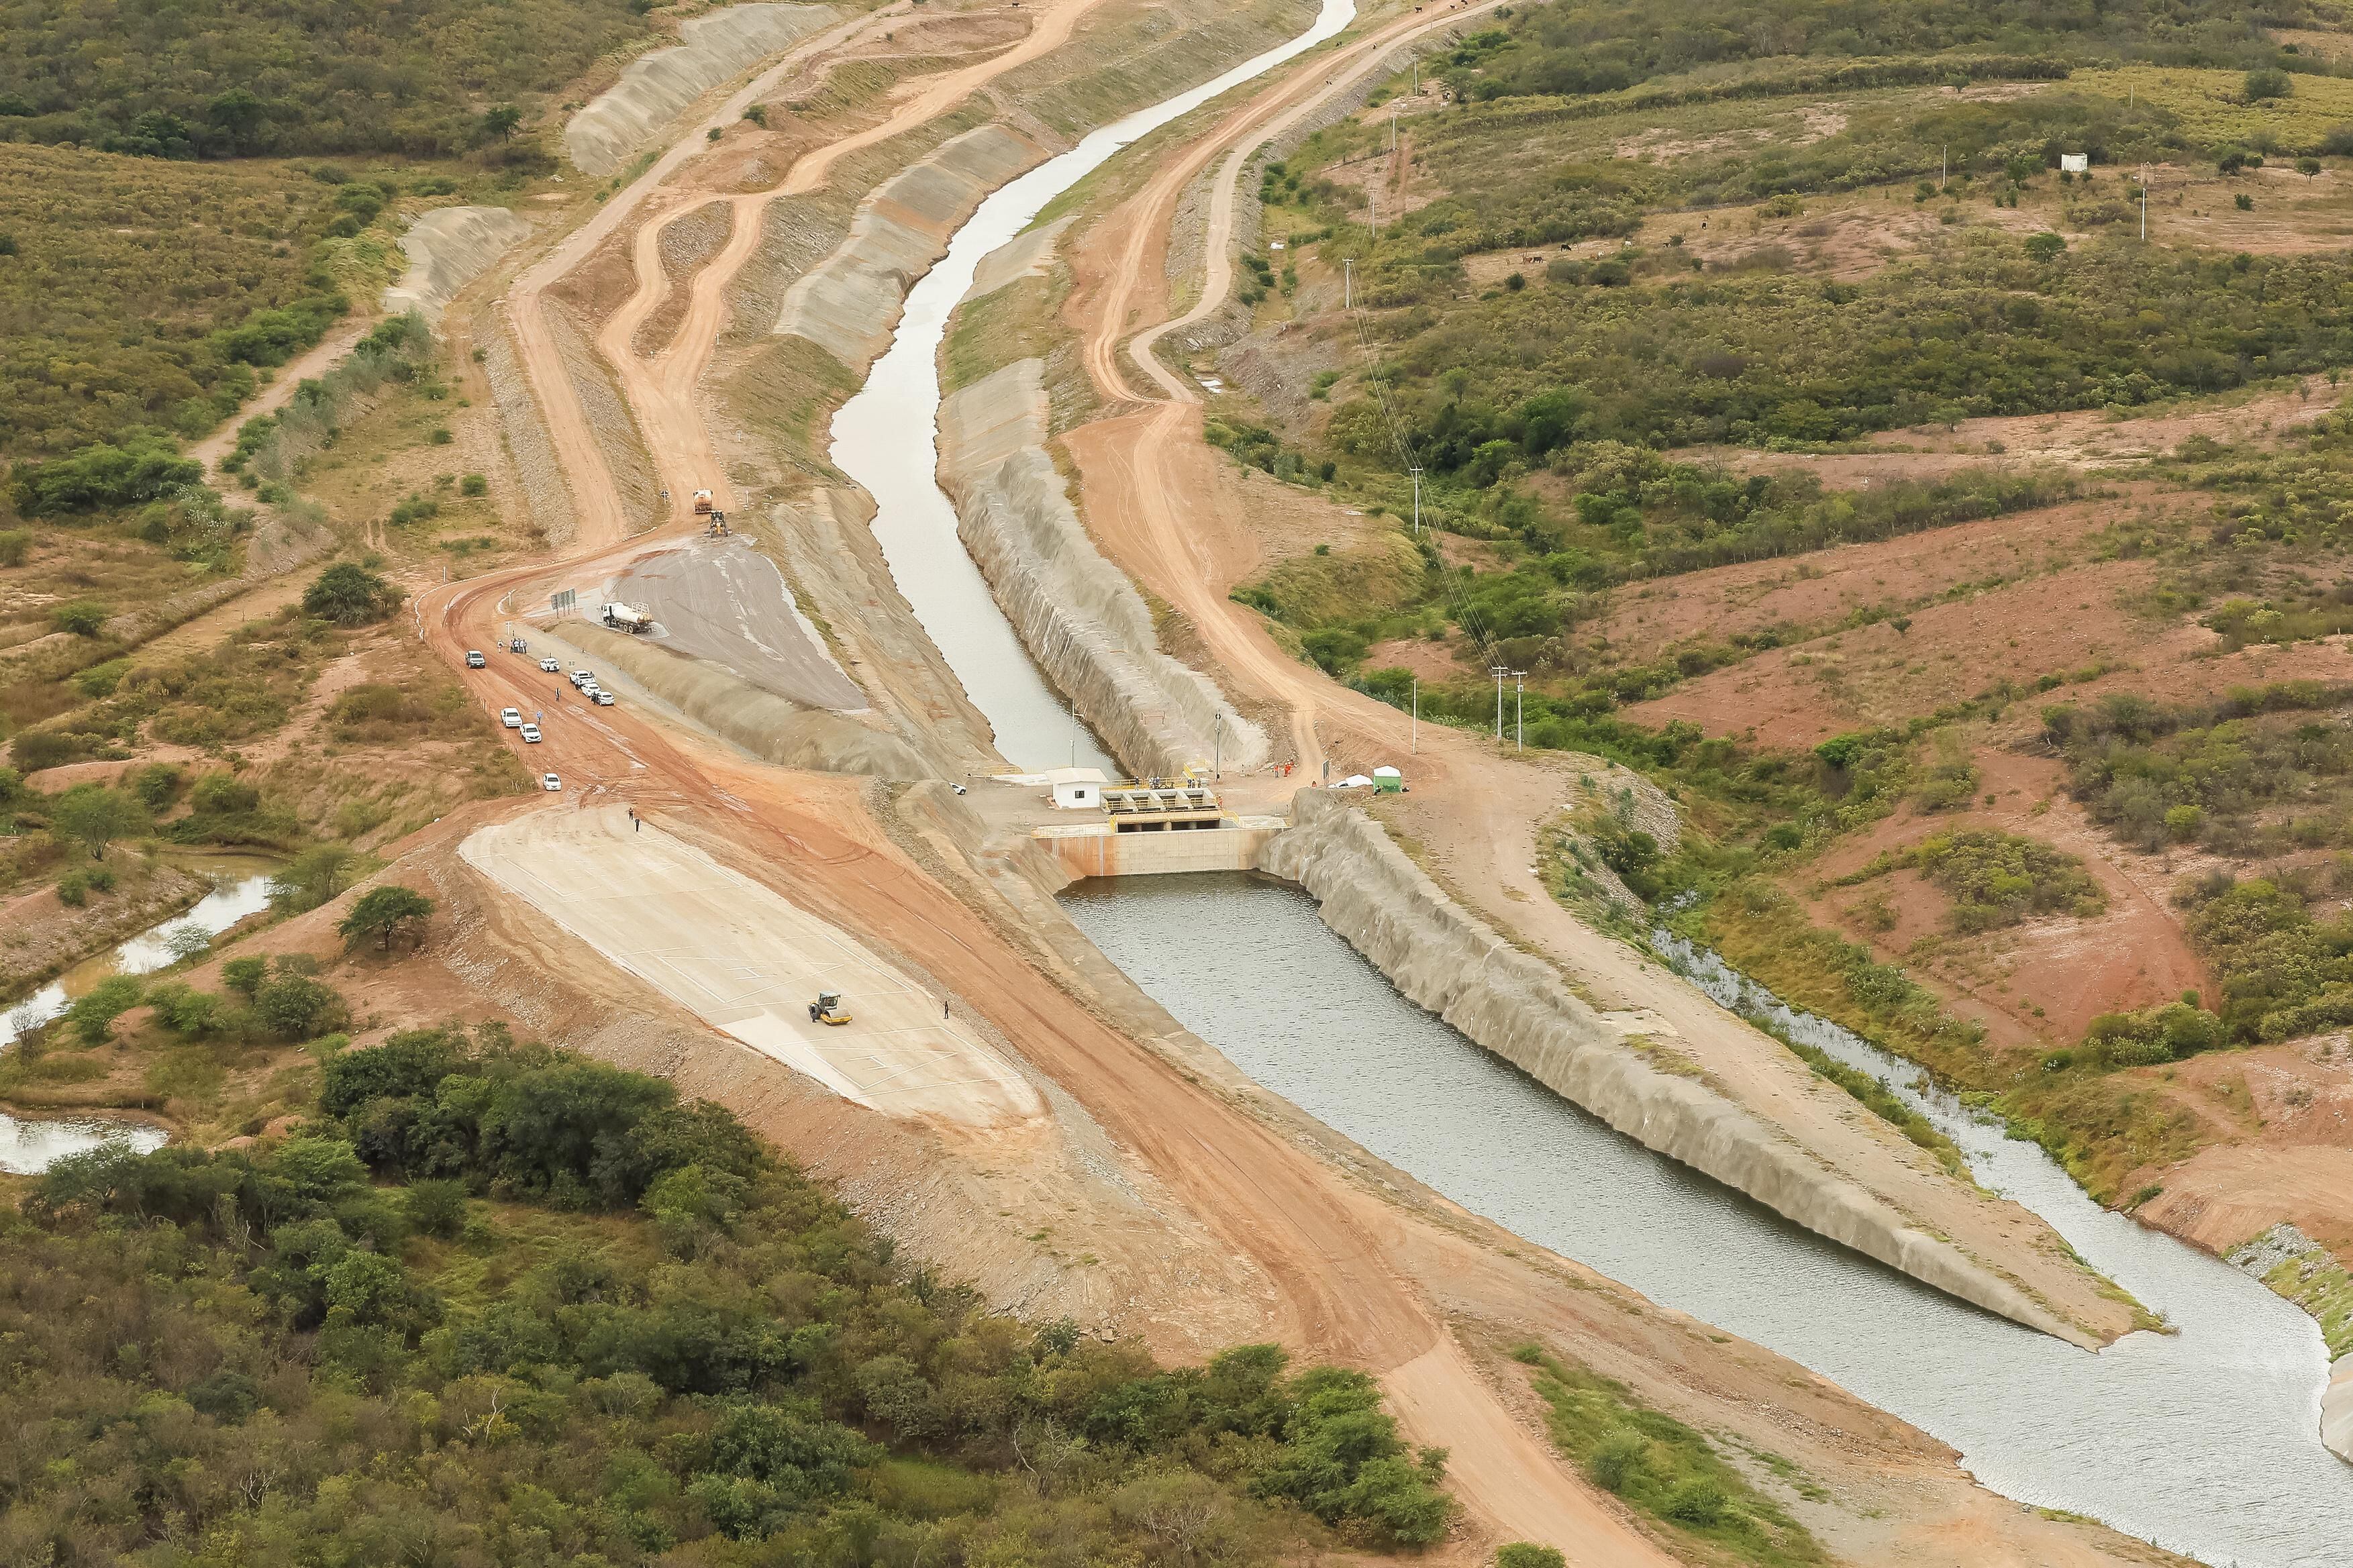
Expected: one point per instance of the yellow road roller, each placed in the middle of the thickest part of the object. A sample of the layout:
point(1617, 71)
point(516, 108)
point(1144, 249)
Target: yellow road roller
point(826, 1009)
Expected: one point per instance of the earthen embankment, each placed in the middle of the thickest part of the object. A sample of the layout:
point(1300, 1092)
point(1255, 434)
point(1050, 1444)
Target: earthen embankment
point(1517, 1007)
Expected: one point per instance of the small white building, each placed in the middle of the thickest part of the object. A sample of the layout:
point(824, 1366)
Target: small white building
point(2074, 163)
point(1076, 789)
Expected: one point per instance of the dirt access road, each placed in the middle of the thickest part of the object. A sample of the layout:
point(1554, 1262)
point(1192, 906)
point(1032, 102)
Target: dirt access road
point(1333, 1251)
point(1339, 1292)
point(1352, 1275)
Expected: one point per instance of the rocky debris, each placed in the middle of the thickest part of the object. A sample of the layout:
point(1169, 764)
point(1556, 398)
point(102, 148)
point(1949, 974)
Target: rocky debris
point(538, 475)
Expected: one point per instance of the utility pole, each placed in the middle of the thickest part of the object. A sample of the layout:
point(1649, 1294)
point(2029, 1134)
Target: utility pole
point(1417, 502)
point(1413, 728)
point(1217, 728)
point(1520, 709)
point(1498, 671)
point(1944, 165)
point(1392, 134)
point(2144, 202)
point(1348, 283)
point(1074, 733)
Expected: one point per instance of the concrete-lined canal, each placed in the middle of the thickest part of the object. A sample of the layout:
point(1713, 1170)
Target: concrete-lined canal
point(2204, 1440)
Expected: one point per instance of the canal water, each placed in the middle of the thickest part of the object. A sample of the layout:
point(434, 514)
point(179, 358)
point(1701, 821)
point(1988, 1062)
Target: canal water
point(2203, 1440)
point(899, 406)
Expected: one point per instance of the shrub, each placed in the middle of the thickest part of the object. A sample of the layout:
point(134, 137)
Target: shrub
point(102, 476)
point(474, 485)
point(297, 1007)
point(14, 543)
point(34, 750)
point(350, 594)
point(1527, 1554)
point(92, 1013)
point(244, 976)
point(2268, 83)
point(73, 890)
point(2044, 246)
point(82, 617)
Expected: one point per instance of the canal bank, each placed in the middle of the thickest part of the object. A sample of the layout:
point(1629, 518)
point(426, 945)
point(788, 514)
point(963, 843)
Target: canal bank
point(1691, 1242)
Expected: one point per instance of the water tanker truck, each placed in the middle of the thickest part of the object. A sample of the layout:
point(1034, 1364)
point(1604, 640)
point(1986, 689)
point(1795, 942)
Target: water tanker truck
point(703, 503)
point(628, 618)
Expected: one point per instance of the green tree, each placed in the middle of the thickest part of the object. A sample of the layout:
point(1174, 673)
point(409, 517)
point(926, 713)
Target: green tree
point(500, 122)
point(95, 816)
point(244, 976)
point(349, 596)
point(238, 114)
point(2044, 246)
point(297, 1007)
point(384, 912)
point(2307, 167)
point(313, 877)
point(2268, 83)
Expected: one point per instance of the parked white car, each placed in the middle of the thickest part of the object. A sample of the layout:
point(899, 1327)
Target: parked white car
point(531, 734)
point(550, 782)
point(601, 698)
point(474, 660)
point(510, 717)
point(584, 677)
point(550, 666)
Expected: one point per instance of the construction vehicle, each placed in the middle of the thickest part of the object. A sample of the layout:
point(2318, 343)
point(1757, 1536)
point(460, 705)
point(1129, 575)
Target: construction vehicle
point(703, 503)
point(628, 618)
point(826, 1009)
point(718, 529)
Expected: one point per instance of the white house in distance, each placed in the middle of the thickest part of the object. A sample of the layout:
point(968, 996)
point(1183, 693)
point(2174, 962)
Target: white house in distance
point(1076, 789)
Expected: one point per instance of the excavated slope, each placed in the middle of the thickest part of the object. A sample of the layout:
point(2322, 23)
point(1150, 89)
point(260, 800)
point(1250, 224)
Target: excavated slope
point(763, 723)
point(448, 249)
point(629, 114)
point(849, 303)
point(1079, 615)
point(1516, 1006)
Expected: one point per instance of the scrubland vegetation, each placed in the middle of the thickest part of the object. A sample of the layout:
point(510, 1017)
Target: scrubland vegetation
point(1662, 1468)
point(216, 80)
point(489, 1299)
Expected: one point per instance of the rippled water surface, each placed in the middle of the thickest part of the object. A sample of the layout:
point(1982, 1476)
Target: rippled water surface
point(2204, 1440)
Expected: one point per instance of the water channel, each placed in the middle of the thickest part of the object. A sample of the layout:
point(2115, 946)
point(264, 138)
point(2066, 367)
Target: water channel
point(32, 1144)
point(2203, 1440)
point(916, 521)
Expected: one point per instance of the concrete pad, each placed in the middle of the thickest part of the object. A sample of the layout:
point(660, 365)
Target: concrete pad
point(724, 601)
point(748, 963)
